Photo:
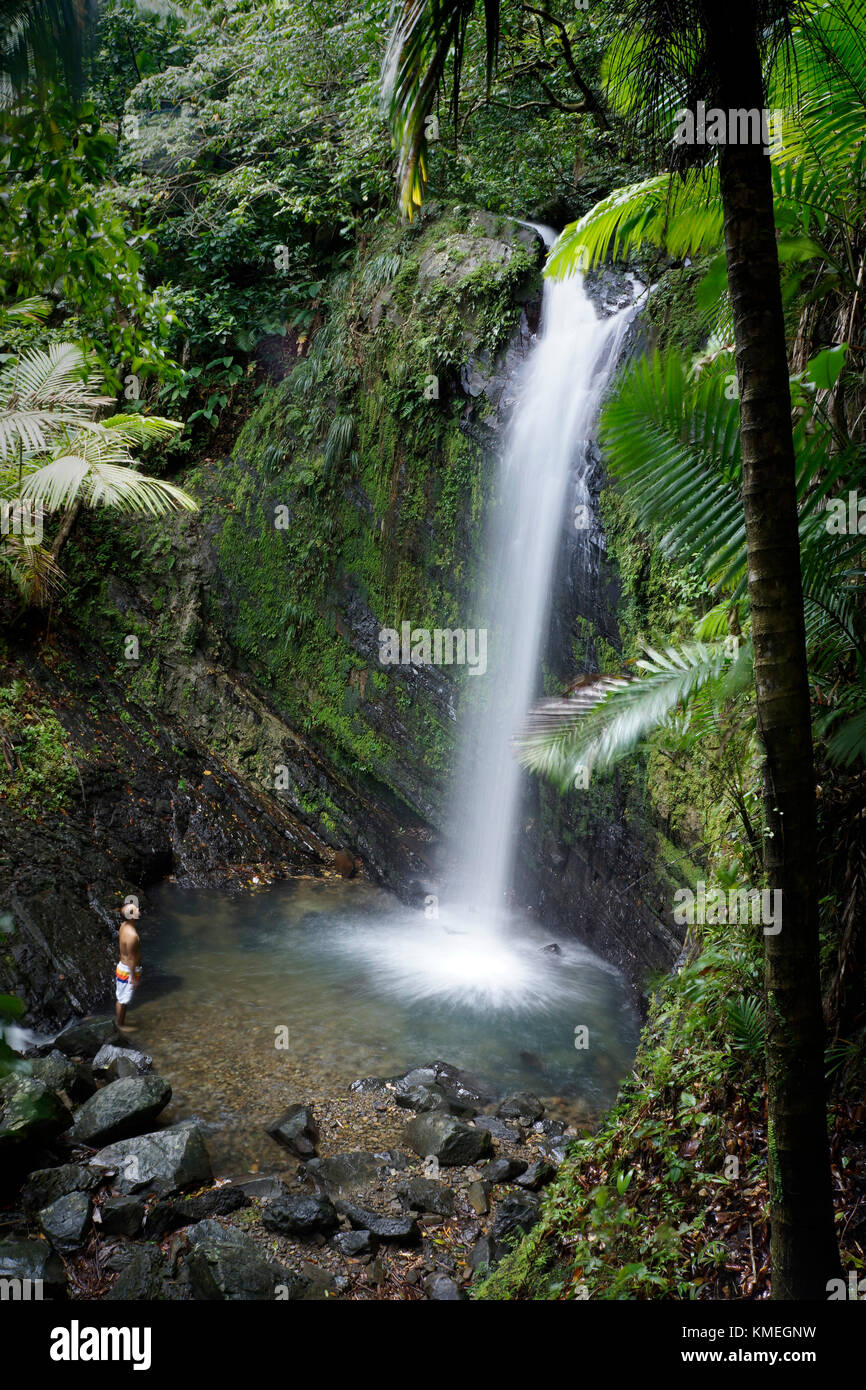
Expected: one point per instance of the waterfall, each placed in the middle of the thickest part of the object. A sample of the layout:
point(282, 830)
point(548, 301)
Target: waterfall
point(544, 460)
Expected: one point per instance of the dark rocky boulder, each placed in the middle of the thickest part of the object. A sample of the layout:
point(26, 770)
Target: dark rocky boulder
point(168, 1215)
point(84, 1037)
point(121, 1109)
point(355, 1245)
point(36, 1261)
point(401, 1230)
point(144, 1278)
point(448, 1139)
point(61, 1074)
point(503, 1169)
point(345, 1171)
point(121, 1216)
point(517, 1214)
point(66, 1221)
point(301, 1215)
point(537, 1175)
point(425, 1194)
point(45, 1185)
point(498, 1128)
point(482, 1253)
point(523, 1107)
point(296, 1130)
point(165, 1162)
point(228, 1265)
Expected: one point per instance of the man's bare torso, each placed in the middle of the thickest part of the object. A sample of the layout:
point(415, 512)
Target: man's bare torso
point(129, 944)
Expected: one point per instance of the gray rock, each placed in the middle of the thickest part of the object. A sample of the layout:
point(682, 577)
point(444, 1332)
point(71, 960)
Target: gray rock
point(482, 1253)
point(45, 1185)
point(143, 1278)
point(296, 1130)
point(421, 1098)
point(523, 1107)
point(355, 1244)
point(344, 1171)
point(30, 1112)
point(450, 1140)
point(399, 1230)
point(261, 1189)
point(85, 1036)
point(36, 1261)
point(54, 1071)
point(441, 1289)
point(498, 1128)
point(301, 1215)
point(168, 1215)
point(121, 1216)
point(537, 1175)
point(228, 1265)
point(503, 1169)
point(66, 1221)
point(113, 1063)
point(165, 1162)
point(518, 1213)
point(121, 1109)
point(478, 1197)
point(425, 1194)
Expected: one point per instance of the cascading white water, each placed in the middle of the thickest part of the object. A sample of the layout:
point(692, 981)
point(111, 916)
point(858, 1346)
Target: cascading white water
point(467, 952)
point(558, 397)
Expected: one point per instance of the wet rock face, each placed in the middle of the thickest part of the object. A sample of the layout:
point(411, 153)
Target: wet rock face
point(151, 803)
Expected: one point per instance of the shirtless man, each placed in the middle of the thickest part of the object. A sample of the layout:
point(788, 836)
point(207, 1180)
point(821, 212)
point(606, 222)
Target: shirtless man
point(128, 973)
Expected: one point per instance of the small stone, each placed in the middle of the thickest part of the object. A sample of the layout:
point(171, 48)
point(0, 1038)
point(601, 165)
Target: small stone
point(400, 1230)
point(503, 1169)
point(523, 1107)
point(537, 1175)
point(441, 1289)
point(354, 1244)
point(478, 1198)
point(296, 1130)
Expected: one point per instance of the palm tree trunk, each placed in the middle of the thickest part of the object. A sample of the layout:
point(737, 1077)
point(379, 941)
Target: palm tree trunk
point(804, 1254)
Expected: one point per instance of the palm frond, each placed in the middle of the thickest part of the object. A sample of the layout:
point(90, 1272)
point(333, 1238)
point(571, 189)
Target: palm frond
point(426, 34)
point(565, 739)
